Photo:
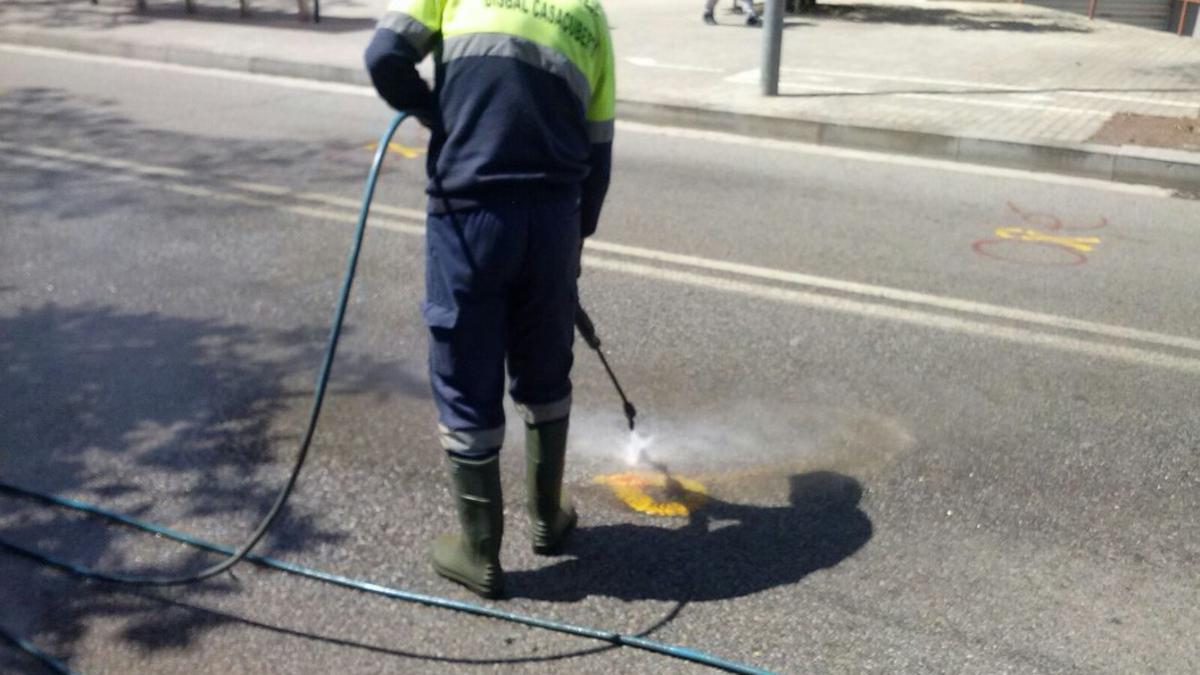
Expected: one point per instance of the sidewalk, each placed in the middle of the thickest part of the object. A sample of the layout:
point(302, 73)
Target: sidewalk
point(994, 83)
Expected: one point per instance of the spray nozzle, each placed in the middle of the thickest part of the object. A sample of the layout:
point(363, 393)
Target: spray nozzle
point(630, 414)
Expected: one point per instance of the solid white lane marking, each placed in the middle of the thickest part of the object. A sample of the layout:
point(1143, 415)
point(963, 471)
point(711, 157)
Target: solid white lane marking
point(331, 200)
point(899, 160)
point(900, 295)
point(46, 164)
point(256, 78)
point(858, 307)
point(869, 291)
point(914, 317)
point(95, 160)
point(637, 127)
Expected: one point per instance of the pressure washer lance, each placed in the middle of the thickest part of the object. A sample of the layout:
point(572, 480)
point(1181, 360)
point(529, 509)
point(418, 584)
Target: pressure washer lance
point(673, 488)
point(587, 329)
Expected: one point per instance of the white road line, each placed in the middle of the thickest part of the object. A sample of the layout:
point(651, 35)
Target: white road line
point(95, 160)
point(44, 163)
point(52, 156)
point(275, 80)
point(918, 318)
point(331, 200)
point(900, 295)
point(309, 211)
point(636, 127)
point(899, 160)
point(866, 292)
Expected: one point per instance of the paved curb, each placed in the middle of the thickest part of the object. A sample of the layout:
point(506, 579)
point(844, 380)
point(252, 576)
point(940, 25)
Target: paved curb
point(1174, 169)
point(1127, 164)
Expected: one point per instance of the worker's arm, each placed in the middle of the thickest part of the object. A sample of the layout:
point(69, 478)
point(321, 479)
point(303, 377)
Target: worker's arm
point(600, 120)
point(403, 37)
point(595, 187)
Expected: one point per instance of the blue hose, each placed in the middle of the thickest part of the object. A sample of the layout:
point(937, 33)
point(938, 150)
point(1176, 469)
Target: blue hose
point(234, 556)
point(617, 639)
point(31, 649)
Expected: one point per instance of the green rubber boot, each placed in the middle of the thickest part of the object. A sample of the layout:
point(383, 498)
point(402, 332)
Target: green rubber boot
point(472, 557)
point(551, 514)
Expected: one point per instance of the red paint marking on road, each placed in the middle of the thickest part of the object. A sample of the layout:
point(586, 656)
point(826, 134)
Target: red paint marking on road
point(1009, 249)
point(986, 248)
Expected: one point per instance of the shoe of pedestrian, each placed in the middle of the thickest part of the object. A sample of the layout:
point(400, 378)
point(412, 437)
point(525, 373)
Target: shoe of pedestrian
point(472, 557)
point(737, 9)
point(710, 19)
point(551, 514)
point(753, 20)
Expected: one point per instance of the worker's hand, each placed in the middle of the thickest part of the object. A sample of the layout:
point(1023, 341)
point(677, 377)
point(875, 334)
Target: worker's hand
point(427, 118)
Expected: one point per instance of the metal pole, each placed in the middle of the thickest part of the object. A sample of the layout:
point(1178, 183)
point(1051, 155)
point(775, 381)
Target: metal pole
point(772, 46)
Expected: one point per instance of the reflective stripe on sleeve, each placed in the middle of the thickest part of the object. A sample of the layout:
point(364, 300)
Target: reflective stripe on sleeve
point(416, 33)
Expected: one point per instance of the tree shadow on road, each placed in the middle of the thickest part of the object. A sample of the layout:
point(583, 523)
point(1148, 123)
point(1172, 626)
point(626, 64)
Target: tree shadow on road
point(189, 421)
point(174, 624)
point(58, 124)
point(181, 419)
point(725, 551)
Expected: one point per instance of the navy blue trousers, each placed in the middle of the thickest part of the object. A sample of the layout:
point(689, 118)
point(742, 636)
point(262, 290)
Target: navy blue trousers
point(500, 287)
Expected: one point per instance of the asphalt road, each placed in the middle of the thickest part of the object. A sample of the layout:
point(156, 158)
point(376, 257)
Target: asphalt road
point(945, 415)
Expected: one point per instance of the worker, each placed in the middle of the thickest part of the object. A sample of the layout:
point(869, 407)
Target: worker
point(520, 150)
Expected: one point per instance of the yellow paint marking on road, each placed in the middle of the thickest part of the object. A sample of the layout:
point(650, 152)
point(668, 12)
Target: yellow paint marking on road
point(1084, 244)
point(401, 149)
point(631, 488)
